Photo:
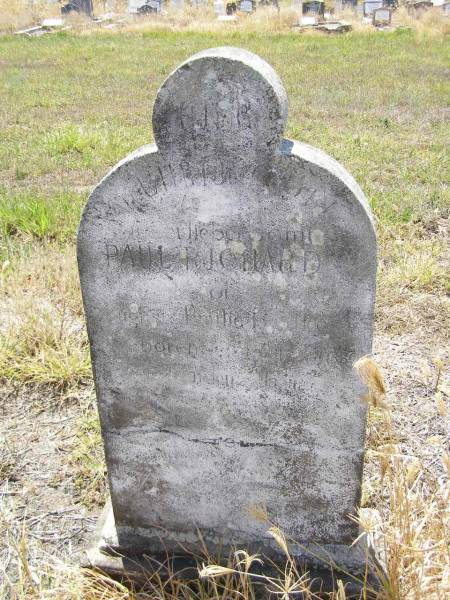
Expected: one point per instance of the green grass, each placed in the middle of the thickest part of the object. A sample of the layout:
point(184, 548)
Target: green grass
point(28, 217)
point(71, 106)
point(40, 217)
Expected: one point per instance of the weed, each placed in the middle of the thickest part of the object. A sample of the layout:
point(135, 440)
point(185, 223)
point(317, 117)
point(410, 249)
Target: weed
point(7, 461)
point(87, 459)
point(412, 532)
point(41, 350)
point(42, 338)
point(85, 144)
point(31, 215)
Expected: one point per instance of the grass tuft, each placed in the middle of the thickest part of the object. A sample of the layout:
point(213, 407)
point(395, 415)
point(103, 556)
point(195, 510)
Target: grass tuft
point(7, 462)
point(42, 332)
point(412, 531)
point(87, 459)
point(31, 215)
point(42, 348)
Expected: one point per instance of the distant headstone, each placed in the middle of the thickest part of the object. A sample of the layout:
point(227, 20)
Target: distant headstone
point(219, 8)
point(228, 279)
point(382, 17)
point(78, 6)
point(155, 6)
point(246, 6)
point(419, 8)
point(341, 5)
point(371, 5)
point(144, 7)
point(314, 7)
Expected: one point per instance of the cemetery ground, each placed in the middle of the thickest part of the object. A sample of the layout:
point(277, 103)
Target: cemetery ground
point(71, 107)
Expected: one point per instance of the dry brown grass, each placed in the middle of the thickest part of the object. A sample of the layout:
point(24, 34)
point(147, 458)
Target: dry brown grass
point(413, 530)
point(432, 21)
point(15, 14)
point(42, 334)
point(414, 278)
point(18, 13)
point(265, 19)
point(410, 530)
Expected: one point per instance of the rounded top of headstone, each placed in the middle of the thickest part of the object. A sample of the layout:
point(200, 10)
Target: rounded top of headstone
point(221, 102)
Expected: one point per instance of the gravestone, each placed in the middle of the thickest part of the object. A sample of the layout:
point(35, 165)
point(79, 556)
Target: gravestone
point(246, 6)
point(370, 5)
point(219, 8)
point(78, 6)
point(382, 17)
point(228, 279)
point(314, 9)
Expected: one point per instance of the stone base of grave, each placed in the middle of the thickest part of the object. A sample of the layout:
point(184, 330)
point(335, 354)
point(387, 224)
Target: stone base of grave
point(325, 564)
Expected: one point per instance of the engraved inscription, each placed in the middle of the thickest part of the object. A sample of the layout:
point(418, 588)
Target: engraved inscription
point(215, 248)
point(228, 281)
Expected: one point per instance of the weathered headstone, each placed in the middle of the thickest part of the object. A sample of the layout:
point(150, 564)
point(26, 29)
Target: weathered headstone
point(246, 6)
point(382, 17)
point(219, 8)
point(370, 5)
point(78, 6)
point(228, 279)
point(312, 6)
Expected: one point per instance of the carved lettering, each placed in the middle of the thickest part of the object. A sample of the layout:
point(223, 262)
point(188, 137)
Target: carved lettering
point(265, 260)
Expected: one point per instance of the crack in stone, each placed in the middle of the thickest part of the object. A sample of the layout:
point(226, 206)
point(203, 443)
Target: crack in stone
point(227, 441)
point(211, 441)
point(220, 440)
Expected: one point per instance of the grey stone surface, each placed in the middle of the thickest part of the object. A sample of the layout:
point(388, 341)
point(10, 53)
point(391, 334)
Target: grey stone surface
point(228, 279)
